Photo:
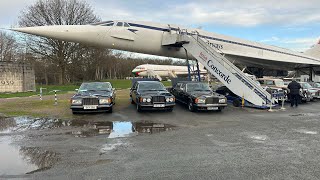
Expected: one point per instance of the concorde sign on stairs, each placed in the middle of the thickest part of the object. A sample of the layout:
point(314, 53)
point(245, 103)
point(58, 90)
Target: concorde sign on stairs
point(220, 67)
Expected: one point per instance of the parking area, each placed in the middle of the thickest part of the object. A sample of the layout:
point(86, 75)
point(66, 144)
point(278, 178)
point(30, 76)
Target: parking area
point(233, 144)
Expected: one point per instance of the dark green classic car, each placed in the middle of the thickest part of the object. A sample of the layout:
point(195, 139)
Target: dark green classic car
point(151, 95)
point(198, 96)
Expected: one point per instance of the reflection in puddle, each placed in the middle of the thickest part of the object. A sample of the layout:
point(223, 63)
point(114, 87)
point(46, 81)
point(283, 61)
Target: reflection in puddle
point(120, 129)
point(116, 129)
point(17, 160)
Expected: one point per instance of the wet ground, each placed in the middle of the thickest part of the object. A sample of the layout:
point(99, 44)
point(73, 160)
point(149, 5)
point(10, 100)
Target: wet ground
point(233, 144)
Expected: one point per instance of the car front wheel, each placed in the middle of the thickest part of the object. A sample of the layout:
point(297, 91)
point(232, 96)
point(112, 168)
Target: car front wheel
point(190, 106)
point(139, 108)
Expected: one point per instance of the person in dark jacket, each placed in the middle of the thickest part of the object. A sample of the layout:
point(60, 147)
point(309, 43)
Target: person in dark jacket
point(294, 88)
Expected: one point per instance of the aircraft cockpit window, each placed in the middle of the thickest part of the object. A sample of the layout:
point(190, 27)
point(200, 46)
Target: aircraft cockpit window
point(119, 23)
point(108, 24)
point(126, 25)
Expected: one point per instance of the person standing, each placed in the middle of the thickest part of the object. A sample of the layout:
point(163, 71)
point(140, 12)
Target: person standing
point(294, 88)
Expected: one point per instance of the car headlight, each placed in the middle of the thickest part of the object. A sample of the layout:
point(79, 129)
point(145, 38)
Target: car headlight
point(200, 101)
point(105, 101)
point(172, 99)
point(76, 101)
point(148, 100)
point(222, 100)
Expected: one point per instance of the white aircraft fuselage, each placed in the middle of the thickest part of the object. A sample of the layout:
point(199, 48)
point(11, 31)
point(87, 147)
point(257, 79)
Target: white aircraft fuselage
point(146, 37)
point(145, 70)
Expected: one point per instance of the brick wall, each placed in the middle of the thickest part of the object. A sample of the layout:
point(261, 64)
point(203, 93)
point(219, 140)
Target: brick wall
point(16, 77)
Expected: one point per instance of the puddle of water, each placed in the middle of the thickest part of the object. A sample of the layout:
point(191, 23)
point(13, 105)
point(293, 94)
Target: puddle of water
point(120, 129)
point(259, 137)
point(17, 160)
point(88, 128)
point(304, 131)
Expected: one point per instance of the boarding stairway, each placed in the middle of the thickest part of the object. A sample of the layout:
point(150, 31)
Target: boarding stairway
point(219, 66)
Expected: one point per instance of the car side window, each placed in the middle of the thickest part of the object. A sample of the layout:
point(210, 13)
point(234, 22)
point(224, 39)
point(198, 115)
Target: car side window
point(119, 23)
point(134, 87)
point(269, 82)
point(178, 85)
point(183, 86)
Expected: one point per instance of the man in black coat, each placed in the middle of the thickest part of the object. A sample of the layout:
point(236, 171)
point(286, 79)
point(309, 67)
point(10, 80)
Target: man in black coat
point(294, 88)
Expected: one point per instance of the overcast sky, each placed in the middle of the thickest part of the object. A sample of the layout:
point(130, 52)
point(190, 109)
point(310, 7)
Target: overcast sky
point(293, 24)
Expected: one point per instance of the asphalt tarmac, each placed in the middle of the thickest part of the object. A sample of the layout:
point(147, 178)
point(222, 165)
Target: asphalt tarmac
point(237, 143)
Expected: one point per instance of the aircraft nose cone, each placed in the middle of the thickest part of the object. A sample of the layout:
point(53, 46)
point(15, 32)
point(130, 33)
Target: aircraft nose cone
point(73, 33)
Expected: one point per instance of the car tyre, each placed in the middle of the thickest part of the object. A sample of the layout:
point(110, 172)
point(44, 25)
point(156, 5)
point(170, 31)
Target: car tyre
point(139, 108)
point(132, 101)
point(190, 106)
point(110, 109)
point(236, 103)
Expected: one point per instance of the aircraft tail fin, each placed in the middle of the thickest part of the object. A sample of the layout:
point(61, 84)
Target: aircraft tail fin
point(314, 51)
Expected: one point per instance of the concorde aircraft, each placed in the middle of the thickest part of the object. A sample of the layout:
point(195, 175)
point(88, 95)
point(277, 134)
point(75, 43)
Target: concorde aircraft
point(147, 70)
point(147, 37)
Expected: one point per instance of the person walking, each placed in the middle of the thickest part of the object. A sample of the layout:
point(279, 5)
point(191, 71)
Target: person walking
point(294, 88)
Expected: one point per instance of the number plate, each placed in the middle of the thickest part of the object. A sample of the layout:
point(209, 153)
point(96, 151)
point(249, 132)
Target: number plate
point(90, 107)
point(212, 108)
point(158, 105)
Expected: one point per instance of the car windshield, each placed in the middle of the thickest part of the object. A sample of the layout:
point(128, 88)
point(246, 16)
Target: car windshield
point(316, 85)
point(95, 86)
point(279, 83)
point(306, 85)
point(198, 87)
point(151, 86)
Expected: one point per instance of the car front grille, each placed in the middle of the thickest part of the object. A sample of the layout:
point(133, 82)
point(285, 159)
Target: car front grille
point(212, 100)
point(158, 99)
point(90, 101)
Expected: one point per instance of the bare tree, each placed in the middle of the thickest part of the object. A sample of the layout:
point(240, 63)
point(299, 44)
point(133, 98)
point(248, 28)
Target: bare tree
point(8, 47)
point(56, 12)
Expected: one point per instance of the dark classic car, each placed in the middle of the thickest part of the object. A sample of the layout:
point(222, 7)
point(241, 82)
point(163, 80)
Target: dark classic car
point(316, 86)
point(151, 95)
point(198, 96)
point(93, 97)
point(308, 92)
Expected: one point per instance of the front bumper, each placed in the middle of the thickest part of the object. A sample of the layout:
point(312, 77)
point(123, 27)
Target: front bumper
point(209, 107)
point(100, 108)
point(166, 106)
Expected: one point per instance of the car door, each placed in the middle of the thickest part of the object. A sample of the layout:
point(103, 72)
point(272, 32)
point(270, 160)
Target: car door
point(176, 91)
point(183, 93)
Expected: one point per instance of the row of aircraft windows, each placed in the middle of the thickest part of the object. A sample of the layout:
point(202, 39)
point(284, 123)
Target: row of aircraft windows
point(120, 24)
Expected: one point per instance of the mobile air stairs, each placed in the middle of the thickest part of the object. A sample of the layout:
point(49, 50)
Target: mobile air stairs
point(220, 67)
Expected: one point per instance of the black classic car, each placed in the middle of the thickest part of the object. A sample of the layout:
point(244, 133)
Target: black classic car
point(93, 97)
point(151, 95)
point(198, 96)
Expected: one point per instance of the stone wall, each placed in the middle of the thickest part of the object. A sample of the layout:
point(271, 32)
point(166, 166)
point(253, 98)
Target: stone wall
point(16, 77)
